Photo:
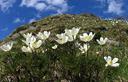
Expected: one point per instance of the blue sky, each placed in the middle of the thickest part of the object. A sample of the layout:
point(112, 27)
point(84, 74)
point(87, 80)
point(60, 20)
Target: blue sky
point(14, 13)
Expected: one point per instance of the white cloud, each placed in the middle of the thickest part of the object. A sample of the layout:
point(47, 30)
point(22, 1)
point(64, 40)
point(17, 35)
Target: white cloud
point(56, 2)
point(17, 20)
point(37, 4)
point(112, 6)
point(28, 3)
point(6, 4)
point(60, 6)
point(115, 7)
point(32, 20)
point(40, 6)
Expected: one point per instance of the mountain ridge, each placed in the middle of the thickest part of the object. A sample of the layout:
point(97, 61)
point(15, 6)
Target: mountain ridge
point(60, 22)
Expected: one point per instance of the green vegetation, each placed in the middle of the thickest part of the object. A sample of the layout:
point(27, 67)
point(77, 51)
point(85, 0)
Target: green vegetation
point(67, 62)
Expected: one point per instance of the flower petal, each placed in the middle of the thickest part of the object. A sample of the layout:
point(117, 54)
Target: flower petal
point(38, 44)
point(54, 47)
point(26, 49)
point(115, 65)
point(107, 58)
point(106, 65)
point(115, 60)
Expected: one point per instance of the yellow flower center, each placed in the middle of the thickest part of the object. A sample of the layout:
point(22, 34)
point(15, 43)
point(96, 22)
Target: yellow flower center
point(109, 62)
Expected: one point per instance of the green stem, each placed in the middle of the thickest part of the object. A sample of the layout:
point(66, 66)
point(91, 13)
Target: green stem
point(10, 57)
point(104, 73)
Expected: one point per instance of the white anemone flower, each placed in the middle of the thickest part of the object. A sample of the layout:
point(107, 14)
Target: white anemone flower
point(29, 40)
point(26, 49)
point(72, 33)
point(43, 36)
point(111, 62)
point(7, 46)
point(54, 47)
point(84, 48)
point(62, 38)
point(87, 37)
point(75, 31)
point(102, 40)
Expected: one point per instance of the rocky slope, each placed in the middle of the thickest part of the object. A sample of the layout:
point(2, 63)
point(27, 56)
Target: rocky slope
point(85, 21)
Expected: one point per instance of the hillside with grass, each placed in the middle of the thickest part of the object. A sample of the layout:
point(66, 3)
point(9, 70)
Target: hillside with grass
point(57, 23)
point(67, 63)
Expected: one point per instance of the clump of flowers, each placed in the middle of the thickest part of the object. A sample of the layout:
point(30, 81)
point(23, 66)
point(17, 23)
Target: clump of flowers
point(69, 35)
point(72, 33)
point(31, 43)
point(43, 36)
point(55, 62)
